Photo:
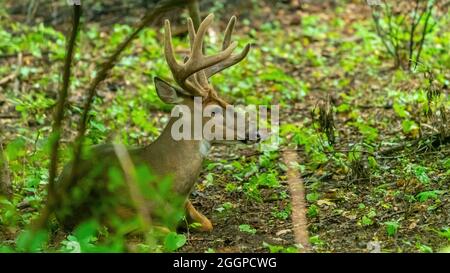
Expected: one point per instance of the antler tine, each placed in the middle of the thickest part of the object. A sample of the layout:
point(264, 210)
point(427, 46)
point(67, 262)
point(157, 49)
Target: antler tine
point(178, 70)
point(232, 60)
point(199, 78)
point(191, 31)
point(228, 32)
point(169, 51)
point(197, 60)
point(197, 46)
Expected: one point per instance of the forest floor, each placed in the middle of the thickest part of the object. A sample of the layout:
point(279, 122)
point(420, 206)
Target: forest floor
point(381, 185)
point(353, 212)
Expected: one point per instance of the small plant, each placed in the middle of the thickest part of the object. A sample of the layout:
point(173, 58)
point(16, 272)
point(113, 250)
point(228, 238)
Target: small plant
point(359, 165)
point(282, 214)
point(445, 233)
point(312, 197)
point(403, 28)
point(391, 227)
point(225, 207)
point(315, 240)
point(263, 180)
point(174, 241)
point(210, 250)
point(420, 172)
point(313, 211)
point(247, 229)
point(425, 195)
point(367, 219)
point(423, 248)
point(326, 119)
point(280, 249)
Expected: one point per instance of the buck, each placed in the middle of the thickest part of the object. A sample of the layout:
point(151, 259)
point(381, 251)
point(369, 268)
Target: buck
point(182, 158)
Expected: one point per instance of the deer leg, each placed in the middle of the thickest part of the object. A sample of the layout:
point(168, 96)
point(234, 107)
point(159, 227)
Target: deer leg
point(194, 216)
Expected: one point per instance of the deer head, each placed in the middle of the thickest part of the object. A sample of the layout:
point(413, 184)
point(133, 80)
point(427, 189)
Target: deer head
point(192, 77)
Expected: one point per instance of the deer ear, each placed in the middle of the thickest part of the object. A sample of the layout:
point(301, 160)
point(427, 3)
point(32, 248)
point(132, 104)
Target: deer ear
point(167, 93)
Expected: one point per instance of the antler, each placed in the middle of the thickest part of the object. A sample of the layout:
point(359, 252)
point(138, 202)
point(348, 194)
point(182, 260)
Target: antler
point(193, 74)
point(233, 59)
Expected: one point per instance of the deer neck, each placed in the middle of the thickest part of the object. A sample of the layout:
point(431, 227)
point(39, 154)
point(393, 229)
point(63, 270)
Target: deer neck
point(180, 159)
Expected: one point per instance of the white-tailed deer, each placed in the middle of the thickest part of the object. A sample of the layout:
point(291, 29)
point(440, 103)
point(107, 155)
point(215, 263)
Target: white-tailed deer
point(180, 159)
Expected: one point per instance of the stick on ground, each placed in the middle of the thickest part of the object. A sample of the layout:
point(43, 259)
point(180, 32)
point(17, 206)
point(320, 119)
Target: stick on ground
point(297, 189)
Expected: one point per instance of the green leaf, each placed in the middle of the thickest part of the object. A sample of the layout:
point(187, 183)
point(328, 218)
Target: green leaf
point(409, 125)
point(366, 221)
point(313, 211)
point(280, 249)
point(391, 227)
point(424, 248)
point(209, 179)
point(29, 241)
point(174, 241)
point(425, 195)
point(372, 213)
point(15, 149)
point(400, 110)
point(312, 197)
point(445, 232)
point(247, 228)
point(421, 174)
point(85, 231)
point(315, 240)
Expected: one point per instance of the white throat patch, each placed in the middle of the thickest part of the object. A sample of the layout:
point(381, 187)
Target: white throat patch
point(204, 148)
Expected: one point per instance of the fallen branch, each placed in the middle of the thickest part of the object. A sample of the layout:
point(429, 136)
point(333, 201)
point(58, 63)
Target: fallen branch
point(436, 141)
point(8, 78)
point(13, 75)
point(8, 116)
point(297, 189)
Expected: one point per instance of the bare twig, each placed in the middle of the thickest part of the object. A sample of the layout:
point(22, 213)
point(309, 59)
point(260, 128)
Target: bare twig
point(58, 120)
point(8, 78)
point(382, 34)
point(13, 75)
point(425, 29)
point(32, 9)
point(414, 24)
point(403, 146)
point(8, 116)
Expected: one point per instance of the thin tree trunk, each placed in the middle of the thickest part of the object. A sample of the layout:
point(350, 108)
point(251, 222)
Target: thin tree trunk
point(5, 177)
